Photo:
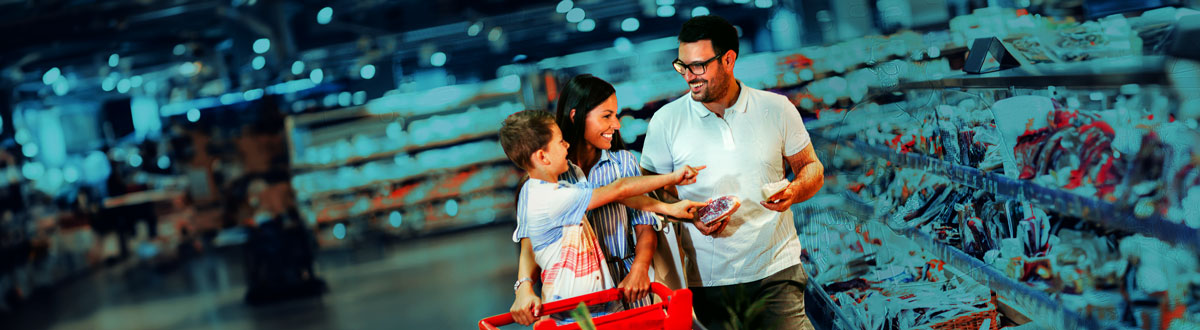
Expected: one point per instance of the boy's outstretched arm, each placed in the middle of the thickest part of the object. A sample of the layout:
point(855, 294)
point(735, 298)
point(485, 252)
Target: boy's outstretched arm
point(633, 186)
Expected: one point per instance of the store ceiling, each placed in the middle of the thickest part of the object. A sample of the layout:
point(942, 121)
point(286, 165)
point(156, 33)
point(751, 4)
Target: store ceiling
point(80, 35)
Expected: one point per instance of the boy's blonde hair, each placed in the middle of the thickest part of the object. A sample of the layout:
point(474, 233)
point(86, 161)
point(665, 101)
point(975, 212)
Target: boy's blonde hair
point(524, 133)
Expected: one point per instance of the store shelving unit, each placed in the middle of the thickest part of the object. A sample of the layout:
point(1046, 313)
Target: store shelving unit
point(1100, 212)
point(417, 157)
point(1023, 301)
point(1034, 304)
point(1110, 72)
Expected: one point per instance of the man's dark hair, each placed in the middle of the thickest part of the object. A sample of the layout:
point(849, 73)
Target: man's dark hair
point(710, 27)
point(524, 133)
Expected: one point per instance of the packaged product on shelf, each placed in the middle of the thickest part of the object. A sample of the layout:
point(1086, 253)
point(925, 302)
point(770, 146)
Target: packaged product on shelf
point(884, 280)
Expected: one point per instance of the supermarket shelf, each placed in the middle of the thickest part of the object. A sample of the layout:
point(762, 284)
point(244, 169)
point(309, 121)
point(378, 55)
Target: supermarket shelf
point(362, 111)
point(427, 200)
point(460, 223)
point(1038, 304)
point(306, 119)
point(377, 184)
point(840, 319)
point(359, 160)
point(1089, 208)
point(819, 75)
point(1152, 70)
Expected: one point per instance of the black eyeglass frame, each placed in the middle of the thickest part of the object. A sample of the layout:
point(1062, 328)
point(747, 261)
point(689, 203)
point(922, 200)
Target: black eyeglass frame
point(680, 66)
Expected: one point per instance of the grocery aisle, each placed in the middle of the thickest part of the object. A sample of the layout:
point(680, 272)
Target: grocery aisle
point(442, 282)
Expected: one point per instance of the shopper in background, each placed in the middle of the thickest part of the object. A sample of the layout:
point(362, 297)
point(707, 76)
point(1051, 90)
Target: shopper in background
point(280, 249)
point(597, 149)
point(746, 137)
point(551, 214)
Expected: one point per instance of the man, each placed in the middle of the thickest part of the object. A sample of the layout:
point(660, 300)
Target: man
point(746, 137)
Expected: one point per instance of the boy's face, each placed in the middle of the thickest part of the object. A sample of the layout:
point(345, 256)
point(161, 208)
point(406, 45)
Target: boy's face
point(556, 152)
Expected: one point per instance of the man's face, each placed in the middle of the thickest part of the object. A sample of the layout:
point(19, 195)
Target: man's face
point(712, 84)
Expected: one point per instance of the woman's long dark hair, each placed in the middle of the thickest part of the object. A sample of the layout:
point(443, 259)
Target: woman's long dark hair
point(582, 93)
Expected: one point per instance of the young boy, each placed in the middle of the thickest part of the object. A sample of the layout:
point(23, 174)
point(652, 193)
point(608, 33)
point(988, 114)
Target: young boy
point(554, 213)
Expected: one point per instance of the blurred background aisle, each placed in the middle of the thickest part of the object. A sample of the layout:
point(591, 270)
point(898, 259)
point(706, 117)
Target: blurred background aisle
point(448, 281)
point(272, 164)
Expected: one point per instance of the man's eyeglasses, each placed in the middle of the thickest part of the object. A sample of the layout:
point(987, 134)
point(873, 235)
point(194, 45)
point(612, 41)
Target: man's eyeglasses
point(695, 68)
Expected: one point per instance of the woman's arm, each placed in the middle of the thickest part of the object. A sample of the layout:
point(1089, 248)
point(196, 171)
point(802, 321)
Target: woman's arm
point(683, 209)
point(636, 285)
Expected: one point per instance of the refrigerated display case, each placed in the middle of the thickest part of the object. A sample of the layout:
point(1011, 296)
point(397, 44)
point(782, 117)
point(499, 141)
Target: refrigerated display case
point(1065, 188)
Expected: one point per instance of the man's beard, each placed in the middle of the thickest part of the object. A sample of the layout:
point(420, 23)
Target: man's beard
point(713, 91)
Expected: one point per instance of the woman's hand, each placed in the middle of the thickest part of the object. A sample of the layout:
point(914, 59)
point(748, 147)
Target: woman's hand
point(636, 285)
point(683, 209)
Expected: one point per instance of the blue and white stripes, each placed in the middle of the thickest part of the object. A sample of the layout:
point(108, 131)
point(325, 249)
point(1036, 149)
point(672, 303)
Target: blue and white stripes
point(612, 221)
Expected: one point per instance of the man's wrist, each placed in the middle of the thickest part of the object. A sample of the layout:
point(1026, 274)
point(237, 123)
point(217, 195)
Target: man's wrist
point(793, 187)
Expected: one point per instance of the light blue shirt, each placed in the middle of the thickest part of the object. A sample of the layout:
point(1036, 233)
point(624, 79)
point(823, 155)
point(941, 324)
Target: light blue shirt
point(743, 150)
point(610, 221)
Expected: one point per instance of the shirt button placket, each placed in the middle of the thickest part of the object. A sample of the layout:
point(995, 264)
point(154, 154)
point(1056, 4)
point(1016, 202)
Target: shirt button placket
point(727, 134)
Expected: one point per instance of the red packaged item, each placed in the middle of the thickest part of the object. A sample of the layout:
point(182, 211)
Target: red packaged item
point(718, 208)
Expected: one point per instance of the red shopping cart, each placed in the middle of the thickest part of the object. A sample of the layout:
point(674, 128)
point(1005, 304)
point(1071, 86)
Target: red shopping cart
point(674, 312)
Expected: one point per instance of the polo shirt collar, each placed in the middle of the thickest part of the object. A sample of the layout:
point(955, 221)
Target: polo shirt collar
point(739, 105)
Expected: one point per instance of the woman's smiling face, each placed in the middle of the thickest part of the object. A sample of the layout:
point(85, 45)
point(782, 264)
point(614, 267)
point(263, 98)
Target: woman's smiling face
point(602, 124)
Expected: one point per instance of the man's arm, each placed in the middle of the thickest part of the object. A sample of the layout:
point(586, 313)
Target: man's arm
point(809, 178)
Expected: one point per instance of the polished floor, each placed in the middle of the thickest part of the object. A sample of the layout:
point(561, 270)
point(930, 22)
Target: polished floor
point(449, 281)
point(443, 282)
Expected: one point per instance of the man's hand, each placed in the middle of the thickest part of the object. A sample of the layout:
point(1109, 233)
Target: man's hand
point(683, 209)
point(784, 199)
point(686, 175)
point(713, 230)
point(527, 306)
point(636, 285)
point(717, 225)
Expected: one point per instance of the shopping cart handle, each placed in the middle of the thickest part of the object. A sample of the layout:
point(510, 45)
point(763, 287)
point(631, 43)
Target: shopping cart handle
point(555, 307)
point(491, 323)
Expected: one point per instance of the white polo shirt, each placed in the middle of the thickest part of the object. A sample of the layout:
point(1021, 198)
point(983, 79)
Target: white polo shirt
point(743, 151)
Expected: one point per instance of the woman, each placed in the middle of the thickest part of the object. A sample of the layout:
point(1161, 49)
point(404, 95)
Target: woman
point(587, 116)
